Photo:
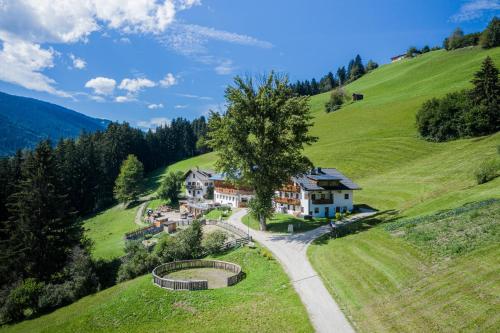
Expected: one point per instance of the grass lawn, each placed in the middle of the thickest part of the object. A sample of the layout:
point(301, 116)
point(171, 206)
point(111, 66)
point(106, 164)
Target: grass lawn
point(263, 302)
point(217, 214)
point(440, 273)
point(279, 223)
point(106, 229)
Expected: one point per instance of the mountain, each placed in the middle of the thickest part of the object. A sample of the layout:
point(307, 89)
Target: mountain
point(25, 121)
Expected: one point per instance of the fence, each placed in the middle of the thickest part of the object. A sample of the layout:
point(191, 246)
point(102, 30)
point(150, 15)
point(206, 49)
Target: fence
point(244, 237)
point(143, 231)
point(174, 284)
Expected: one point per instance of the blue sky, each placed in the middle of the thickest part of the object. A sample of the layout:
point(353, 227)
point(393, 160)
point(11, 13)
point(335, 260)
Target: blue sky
point(147, 61)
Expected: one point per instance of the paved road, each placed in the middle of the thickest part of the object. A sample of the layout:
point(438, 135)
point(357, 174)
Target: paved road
point(290, 250)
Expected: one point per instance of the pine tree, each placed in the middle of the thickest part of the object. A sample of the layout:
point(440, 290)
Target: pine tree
point(43, 224)
point(486, 89)
point(128, 184)
point(342, 75)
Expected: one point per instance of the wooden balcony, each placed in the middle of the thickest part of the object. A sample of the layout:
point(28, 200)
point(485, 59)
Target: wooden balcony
point(287, 201)
point(322, 201)
point(290, 188)
point(232, 191)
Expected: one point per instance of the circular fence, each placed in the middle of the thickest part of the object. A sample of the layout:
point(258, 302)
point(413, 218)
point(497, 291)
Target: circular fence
point(177, 284)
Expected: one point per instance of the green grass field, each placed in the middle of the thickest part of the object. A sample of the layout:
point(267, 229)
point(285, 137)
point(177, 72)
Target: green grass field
point(279, 223)
point(107, 229)
point(437, 274)
point(263, 302)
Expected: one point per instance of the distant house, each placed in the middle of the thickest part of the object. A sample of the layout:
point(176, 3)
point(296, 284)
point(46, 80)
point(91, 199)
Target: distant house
point(319, 193)
point(357, 97)
point(226, 193)
point(398, 57)
point(198, 183)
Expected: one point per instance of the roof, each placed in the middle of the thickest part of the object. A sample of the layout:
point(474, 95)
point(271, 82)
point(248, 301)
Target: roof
point(398, 56)
point(309, 181)
point(201, 174)
point(222, 176)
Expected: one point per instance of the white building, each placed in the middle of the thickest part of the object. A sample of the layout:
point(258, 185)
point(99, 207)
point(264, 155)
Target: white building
point(226, 193)
point(319, 193)
point(198, 184)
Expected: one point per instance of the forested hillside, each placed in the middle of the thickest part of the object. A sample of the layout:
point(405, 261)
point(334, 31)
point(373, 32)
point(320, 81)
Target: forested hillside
point(26, 121)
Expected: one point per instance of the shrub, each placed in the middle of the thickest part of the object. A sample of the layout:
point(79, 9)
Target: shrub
point(214, 241)
point(169, 249)
point(337, 98)
point(266, 254)
point(21, 301)
point(338, 216)
point(138, 261)
point(487, 170)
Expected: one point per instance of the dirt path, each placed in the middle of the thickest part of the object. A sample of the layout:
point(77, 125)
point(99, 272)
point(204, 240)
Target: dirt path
point(290, 250)
point(140, 210)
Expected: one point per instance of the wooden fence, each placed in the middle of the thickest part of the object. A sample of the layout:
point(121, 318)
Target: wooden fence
point(136, 234)
point(175, 284)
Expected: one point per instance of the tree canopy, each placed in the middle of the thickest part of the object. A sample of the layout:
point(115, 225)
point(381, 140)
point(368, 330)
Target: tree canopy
point(129, 183)
point(171, 186)
point(261, 137)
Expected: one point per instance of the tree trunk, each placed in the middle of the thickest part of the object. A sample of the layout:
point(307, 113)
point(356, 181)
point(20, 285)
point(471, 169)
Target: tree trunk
point(262, 223)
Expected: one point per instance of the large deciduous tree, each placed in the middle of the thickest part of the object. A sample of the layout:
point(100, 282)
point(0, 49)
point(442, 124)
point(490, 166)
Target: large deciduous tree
point(261, 137)
point(171, 186)
point(128, 184)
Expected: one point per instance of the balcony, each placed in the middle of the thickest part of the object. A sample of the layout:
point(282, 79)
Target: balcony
point(322, 201)
point(193, 187)
point(287, 201)
point(290, 188)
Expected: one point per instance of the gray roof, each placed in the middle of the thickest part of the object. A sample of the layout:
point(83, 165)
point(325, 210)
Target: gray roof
point(201, 174)
point(308, 181)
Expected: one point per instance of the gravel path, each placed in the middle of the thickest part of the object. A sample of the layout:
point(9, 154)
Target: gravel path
point(290, 250)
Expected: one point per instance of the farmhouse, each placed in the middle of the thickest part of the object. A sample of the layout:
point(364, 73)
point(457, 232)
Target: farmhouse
point(227, 193)
point(319, 193)
point(199, 186)
point(398, 57)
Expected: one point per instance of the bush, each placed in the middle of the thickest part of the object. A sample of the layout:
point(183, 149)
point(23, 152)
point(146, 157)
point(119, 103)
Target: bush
point(22, 301)
point(170, 249)
point(214, 241)
point(487, 170)
point(337, 98)
point(138, 261)
point(191, 239)
point(266, 254)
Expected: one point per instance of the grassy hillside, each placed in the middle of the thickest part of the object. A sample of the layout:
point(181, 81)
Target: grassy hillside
point(439, 273)
point(375, 142)
point(263, 302)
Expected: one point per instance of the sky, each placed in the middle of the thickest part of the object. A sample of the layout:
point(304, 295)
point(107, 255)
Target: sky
point(149, 61)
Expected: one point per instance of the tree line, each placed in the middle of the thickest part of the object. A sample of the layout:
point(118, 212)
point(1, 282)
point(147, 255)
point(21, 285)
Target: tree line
point(488, 38)
point(355, 69)
point(44, 256)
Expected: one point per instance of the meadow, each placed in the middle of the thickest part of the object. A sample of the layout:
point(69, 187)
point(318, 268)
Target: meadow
point(263, 302)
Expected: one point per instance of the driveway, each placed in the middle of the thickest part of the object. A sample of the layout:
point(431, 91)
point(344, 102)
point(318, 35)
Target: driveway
point(290, 250)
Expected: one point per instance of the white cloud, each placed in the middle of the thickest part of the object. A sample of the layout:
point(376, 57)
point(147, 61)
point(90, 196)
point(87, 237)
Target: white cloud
point(475, 9)
point(28, 24)
point(135, 85)
point(180, 106)
point(195, 96)
point(168, 81)
point(225, 67)
point(153, 123)
point(125, 99)
point(190, 39)
point(123, 40)
point(22, 63)
point(101, 85)
point(78, 63)
point(155, 106)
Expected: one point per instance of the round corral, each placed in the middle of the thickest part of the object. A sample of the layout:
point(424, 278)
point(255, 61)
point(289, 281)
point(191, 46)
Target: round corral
point(199, 274)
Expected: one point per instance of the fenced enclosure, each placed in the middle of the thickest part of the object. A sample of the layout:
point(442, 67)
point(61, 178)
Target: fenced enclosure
point(177, 284)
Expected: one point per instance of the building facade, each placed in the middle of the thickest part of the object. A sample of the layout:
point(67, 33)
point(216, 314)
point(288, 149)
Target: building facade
point(319, 193)
point(226, 193)
point(198, 184)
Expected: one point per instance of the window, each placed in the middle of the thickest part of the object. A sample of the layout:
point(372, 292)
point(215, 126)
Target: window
point(296, 195)
point(310, 213)
point(322, 196)
point(331, 196)
point(316, 210)
point(206, 184)
point(313, 196)
point(346, 196)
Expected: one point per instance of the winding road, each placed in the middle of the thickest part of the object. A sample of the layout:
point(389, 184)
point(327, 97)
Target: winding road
point(290, 250)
